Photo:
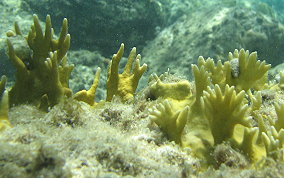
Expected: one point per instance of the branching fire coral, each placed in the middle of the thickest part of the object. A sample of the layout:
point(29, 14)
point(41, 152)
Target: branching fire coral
point(41, 70)
point(279, 124)
point(273, 134)
point(224, 111)
point(252, 73)
point(201, 78)
point(217, 107)
point(171, 122)
point(89, 95)
point(175, 90)
point(4, 105)
point(243, 71)
point(273, 142)
point(125, 84)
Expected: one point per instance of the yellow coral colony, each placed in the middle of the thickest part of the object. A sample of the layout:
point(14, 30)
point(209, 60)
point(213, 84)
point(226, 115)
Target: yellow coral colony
point(243, 71)
point(125, 84)
point(197, 133)
point(226, 107)
point(89, 95)
point(219, 114)
point(218, 110)
point(170, 121)
point(4, 106)
point(185, 108)
point(42, 72)
point(273, 135)
point(252, 72)
point(170, 114)
point(177, 92)
point(224, 111)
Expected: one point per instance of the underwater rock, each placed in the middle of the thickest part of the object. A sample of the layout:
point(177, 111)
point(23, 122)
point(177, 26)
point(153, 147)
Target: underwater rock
point(214, 31)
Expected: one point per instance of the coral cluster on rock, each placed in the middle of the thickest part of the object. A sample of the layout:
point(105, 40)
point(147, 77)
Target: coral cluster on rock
point(218, 116)
point(223, 103)
point(42, 72)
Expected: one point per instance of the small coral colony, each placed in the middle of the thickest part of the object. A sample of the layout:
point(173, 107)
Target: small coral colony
point(223, 103)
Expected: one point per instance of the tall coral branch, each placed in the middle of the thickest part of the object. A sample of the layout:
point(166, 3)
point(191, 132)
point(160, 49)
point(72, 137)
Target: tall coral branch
point(41, 69)
point(125, 84)
point(88, 96)
point(201, 80)
point(279, 124)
